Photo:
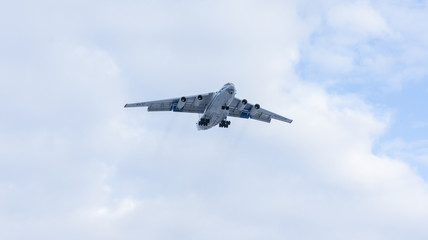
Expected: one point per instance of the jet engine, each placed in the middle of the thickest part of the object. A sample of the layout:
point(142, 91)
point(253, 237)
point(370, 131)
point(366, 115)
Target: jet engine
point(181, 103)
point(197, 102)
point(242, 104)
point(254, 109)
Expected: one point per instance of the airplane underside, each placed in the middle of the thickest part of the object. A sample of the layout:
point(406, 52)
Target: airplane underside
point(215, 107)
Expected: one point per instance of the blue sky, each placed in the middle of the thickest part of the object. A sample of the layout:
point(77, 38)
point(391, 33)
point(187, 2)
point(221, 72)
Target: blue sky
point(351, 74)
point(386, 67)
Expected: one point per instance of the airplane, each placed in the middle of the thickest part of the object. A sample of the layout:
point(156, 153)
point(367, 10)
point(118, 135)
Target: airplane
point(215, 107)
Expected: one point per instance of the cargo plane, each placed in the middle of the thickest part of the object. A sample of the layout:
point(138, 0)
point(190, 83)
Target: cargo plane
point(215, 107)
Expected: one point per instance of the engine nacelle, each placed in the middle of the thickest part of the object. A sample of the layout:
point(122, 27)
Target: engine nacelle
point(181, 103)
point(242, 104)
point(254, 109)
point(198, 100)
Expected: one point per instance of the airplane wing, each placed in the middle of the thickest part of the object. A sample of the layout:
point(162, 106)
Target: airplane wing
point(248, 110)
point(191, 104)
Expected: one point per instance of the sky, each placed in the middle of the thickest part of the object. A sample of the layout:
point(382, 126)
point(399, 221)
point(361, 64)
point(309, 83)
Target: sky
point(74, 164)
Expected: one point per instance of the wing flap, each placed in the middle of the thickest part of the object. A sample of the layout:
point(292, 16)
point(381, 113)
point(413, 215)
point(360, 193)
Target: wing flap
point(193, 104)
point(142, 104)
point(261, 116)
point(156, 107)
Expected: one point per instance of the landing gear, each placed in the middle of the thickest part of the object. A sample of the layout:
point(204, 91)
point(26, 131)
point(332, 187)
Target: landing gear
point(203, 122)
point(225, 107)
point(224, 124)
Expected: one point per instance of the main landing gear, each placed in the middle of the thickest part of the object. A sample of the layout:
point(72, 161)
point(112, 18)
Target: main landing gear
point(224, 124)
point(203, 122)
point(225, 107)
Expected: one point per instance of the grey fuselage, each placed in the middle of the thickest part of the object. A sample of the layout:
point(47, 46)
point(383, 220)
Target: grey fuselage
point(216, 111)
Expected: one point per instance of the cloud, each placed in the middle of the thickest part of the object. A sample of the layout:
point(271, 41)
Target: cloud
point(414, 152)
point(74, 163)
point(274, 181)
point(366, 44)
point(359, 17)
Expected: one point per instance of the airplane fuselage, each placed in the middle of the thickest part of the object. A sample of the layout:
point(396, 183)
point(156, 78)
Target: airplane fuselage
point(218, 109)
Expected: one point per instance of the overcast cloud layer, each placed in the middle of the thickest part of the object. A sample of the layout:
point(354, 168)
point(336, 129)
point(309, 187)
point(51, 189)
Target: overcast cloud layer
point(75, 165)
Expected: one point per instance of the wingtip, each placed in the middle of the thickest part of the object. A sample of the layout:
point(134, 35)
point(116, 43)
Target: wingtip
point(125, 105)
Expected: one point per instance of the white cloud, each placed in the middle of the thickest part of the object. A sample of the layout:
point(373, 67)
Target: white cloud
point(358, 17)
point(415, 152)
point(86, 168)
point(374, 44)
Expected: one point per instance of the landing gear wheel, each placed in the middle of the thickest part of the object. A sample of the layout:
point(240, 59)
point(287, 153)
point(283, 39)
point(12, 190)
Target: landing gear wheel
point(204, 122)
point(224, 124)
